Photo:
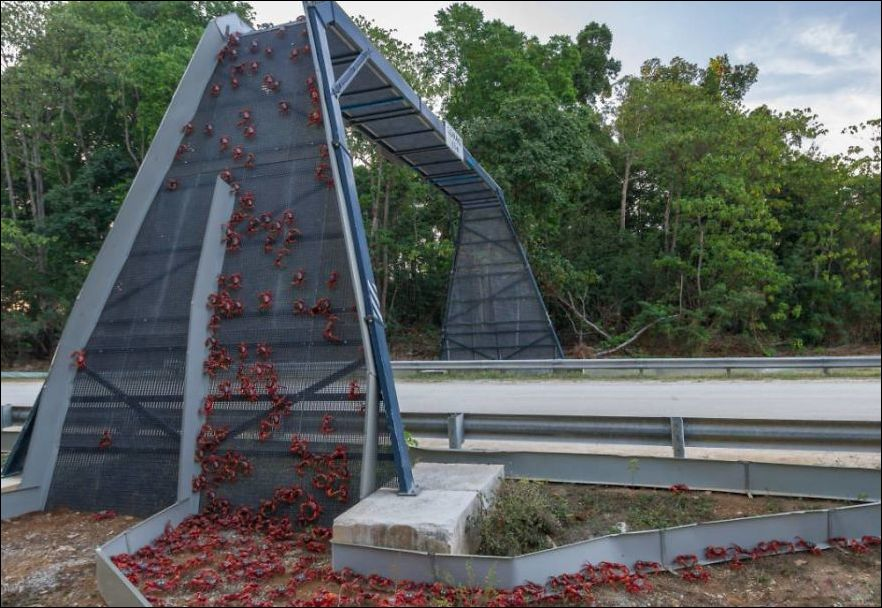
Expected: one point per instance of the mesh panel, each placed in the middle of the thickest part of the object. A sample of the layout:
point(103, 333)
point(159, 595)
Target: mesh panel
point(320, 376)
point(133, 386)
point(120, 441)
point(494, 311)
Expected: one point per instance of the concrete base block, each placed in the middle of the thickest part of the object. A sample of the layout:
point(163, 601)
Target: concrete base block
point(437, 520)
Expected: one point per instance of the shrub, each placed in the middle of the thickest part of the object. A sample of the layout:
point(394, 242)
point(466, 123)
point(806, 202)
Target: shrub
point(522, 518)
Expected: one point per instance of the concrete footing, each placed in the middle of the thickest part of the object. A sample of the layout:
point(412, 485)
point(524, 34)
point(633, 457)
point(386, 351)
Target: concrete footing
point(437, 520)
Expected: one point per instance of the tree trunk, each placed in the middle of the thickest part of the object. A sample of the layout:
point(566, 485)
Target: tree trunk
point(623, 206)
point(384, 289)
point(700, 257)
point(7, 174)
point(375, 203)
point(39, 203)
point(681, 293)
point(667, 218)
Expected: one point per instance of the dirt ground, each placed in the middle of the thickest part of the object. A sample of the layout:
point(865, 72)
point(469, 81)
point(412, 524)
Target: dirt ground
point(47, 560)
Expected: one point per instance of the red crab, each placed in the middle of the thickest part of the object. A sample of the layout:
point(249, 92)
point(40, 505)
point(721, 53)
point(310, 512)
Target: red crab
point(246, 200)
point(265, 301)
point(309, 512)
point(270, 83)
point(245, 117)
point(284, 108)
point(234, 281)
point(354, 393)
point(187, 129)
point(105, 441)
point(233, 240)
point(264, 350)
point(172, 185)
point(299, 307)
point(332, 279)
point(298, 278)
point(279, 262)
point(322, 307)
point(79, 358)
point(215, 90)
point(238, 152)
point(208, 129)
point(224, 143)
point(328, 333)
point(249, 132)
point(291, 236)
point(314, 118)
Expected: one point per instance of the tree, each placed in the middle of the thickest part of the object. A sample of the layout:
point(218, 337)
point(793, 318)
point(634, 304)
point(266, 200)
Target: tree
point(596, 68)
point(84, 87)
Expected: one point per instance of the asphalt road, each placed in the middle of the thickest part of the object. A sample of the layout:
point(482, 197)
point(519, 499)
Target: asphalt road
point(846, 399)
point(774, 399)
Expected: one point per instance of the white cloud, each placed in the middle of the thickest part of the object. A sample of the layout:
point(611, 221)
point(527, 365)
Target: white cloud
point(816, 63)
point(827, 38)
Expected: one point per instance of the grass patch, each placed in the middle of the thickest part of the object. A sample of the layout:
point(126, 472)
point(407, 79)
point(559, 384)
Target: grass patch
point(531, 515)
point(631, 376)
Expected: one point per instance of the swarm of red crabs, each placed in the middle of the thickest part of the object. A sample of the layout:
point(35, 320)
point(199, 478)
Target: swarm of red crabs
point(230, 556)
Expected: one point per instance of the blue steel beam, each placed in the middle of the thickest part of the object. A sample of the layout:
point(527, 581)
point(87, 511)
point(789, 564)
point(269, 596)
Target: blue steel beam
point(345, 178)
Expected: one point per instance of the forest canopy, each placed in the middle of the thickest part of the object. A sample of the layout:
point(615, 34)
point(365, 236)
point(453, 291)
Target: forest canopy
point(660, 213)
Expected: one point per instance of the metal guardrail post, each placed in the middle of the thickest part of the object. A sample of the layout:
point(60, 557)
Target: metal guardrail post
point(456, 431)
point(678, 437)
point(7, 415)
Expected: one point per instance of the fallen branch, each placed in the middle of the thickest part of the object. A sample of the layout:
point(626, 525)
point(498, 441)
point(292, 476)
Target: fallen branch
point(571, 305)
point(636, 335)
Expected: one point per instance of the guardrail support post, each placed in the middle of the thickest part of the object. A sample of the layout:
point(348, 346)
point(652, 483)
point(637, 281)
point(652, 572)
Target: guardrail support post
point(7, 415)
point(456, 430)
point(678, 438)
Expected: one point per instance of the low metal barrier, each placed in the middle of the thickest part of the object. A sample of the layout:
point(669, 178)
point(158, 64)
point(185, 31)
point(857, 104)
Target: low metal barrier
point(722, 363)
point(676, 432)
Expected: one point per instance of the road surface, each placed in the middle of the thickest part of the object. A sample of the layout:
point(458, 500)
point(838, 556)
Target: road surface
point(846, 399)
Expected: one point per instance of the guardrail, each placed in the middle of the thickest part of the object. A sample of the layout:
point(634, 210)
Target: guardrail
point(676, 432)
point(719, 363)
point(722, 363)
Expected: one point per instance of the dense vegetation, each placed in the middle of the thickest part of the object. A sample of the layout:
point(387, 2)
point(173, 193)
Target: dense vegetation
point(659, 213)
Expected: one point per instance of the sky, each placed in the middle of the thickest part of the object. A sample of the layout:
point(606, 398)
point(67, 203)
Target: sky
point(819, 55)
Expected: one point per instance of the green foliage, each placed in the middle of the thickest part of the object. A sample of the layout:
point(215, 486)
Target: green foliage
point(675, 221)
point(84, 87)
point(521, 519)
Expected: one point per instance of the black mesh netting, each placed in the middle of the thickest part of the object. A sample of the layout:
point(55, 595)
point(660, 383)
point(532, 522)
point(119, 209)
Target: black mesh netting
point(494, 310)
point(132, 387)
